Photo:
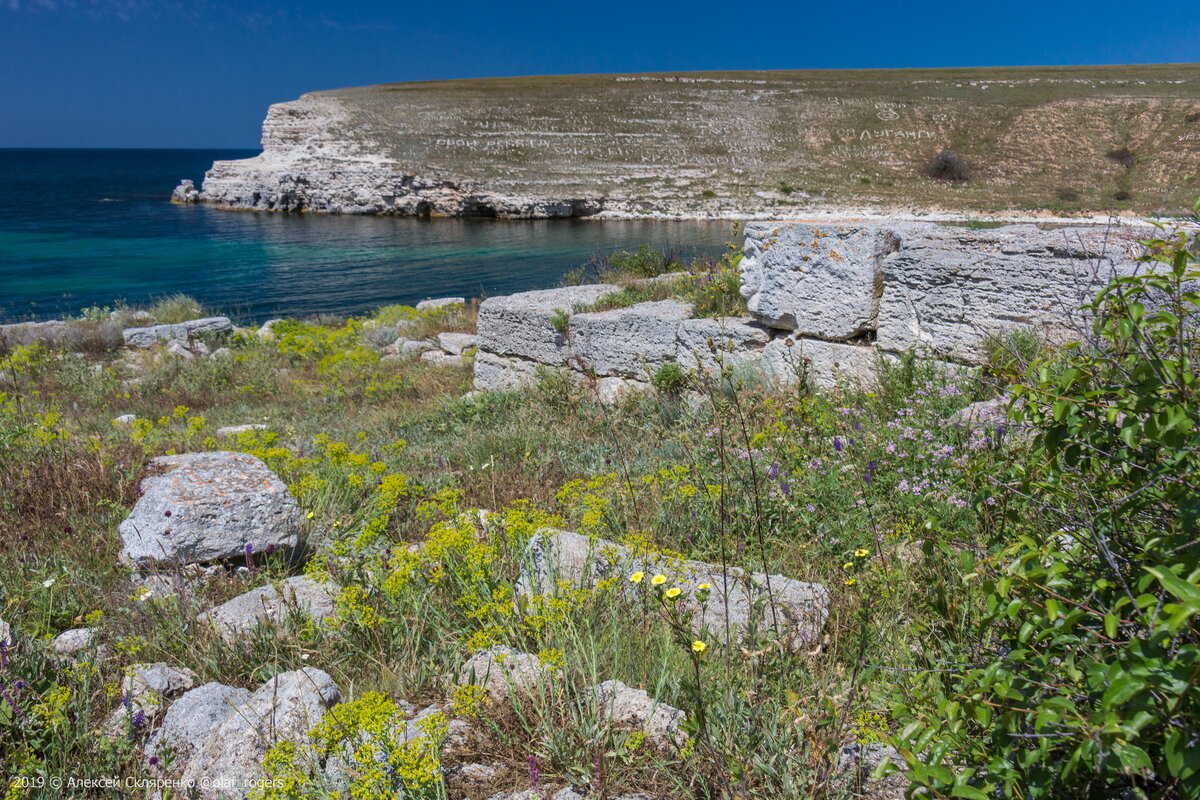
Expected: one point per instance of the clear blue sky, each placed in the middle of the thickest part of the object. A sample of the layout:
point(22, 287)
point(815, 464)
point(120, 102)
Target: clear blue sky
point(200, 73)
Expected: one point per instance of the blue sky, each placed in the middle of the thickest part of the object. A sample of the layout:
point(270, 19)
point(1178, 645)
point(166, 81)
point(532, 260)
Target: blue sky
point(200, 73)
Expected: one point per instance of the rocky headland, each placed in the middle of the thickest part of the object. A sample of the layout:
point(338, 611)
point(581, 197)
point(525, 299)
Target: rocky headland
point(765, 145)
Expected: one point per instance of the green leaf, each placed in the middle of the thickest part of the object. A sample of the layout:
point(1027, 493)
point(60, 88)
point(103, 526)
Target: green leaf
point(1187, 592)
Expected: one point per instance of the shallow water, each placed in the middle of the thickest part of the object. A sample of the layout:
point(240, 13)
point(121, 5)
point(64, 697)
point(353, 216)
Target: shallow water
point(91, 227)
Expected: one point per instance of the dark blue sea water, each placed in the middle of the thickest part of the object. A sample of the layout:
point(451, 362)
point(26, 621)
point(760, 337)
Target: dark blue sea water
point(92, 227)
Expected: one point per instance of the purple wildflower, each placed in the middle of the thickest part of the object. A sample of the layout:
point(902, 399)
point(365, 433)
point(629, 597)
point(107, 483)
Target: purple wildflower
point(534, 774)
point(250, 557)
point(271, 548)
point(67, 529)
point(167, 513)
point(837, 444)
point(773, 470)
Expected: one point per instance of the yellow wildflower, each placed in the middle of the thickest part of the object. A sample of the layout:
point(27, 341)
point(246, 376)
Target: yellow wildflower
point(674, 592)
point(851, 581)
point(861, 552)
point(847, 565)
point(637, 577)
point(704, 586)
point(659, 579)
point(699, 646)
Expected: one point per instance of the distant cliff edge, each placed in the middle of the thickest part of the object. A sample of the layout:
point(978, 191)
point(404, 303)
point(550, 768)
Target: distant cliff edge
point(731, 144)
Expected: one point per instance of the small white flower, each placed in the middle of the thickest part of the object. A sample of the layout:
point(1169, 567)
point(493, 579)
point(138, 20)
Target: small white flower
point(304, 656)
point(48, 582)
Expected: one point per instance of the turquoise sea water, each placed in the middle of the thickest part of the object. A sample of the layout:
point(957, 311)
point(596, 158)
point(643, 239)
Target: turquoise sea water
point(92, 227)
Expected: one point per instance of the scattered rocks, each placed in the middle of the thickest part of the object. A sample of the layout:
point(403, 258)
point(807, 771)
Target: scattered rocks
point(6, 634)
point(506, 674)
point(155, 334)
point(409, 347)
point(271, 605)
point(229, 431)
point(456, 343)
point(792, 611)
point(187, 349)
point(227, 761)
point(634, 708)
point(495, 373)
point(441, 302)
point(125, 420)
point(203, 507)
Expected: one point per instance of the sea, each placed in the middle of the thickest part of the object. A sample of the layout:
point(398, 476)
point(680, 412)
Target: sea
point(94, 228)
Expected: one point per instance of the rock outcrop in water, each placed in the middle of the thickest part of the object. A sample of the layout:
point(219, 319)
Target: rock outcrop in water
point(729, 144)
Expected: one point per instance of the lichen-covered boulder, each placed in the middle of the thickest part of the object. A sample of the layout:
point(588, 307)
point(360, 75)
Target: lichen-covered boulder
point(523, 325)
point(505, 673)
point(716, 599)
point(191, 719)
point(202, 507)
point(624, 707)
point(270, 605)
point(229, 760)
point(440, 303)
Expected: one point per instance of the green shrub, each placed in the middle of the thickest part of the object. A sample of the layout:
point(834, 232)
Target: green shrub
point(175, 308)
point(646, 262)
point(670, 378)
point(1080, 674)
point(561, 320)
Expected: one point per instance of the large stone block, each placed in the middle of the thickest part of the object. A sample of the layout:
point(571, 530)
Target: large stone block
point(820, 280)
point(629, 342)
point(201, 507)
point(735, 600)
point(522, 324)
point(825, 364)
point(720, 344)
point(947, 289)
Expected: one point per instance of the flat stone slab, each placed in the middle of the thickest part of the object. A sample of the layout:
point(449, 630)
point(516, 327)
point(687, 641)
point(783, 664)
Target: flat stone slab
point(821, 280)
point(440, 302)
point(202, 507)
point(270, 605)
point(521, 324)
point(794, 610)
point(230, 431)
point(153, 334)
point(629, 342)
point(441, 358)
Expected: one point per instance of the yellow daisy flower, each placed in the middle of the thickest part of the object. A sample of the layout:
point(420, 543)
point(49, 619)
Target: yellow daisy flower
point(861, 552)
point(659, 580)
point(674, 592)
point(702, 587)
point(637, 577)
point(699, 646)
point(850, 581)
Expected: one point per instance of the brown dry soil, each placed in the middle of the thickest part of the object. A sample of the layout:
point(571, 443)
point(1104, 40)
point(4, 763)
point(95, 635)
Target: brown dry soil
point(1066, 139)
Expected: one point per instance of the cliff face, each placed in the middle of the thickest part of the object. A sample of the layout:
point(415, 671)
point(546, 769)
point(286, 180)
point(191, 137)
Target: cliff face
point(764, 144)
point(307, 165)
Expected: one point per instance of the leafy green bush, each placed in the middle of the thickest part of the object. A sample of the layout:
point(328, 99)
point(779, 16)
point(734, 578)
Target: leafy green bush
point(1080, 675)
point(669, 378)
point(646, 262)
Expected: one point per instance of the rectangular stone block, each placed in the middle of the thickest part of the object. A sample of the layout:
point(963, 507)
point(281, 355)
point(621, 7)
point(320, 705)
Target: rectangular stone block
point(947, 289)
point(826, 364)
point(522, 324)
point(820, 280)
point(719, 344)
point(630, 342)
point(153, 334)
